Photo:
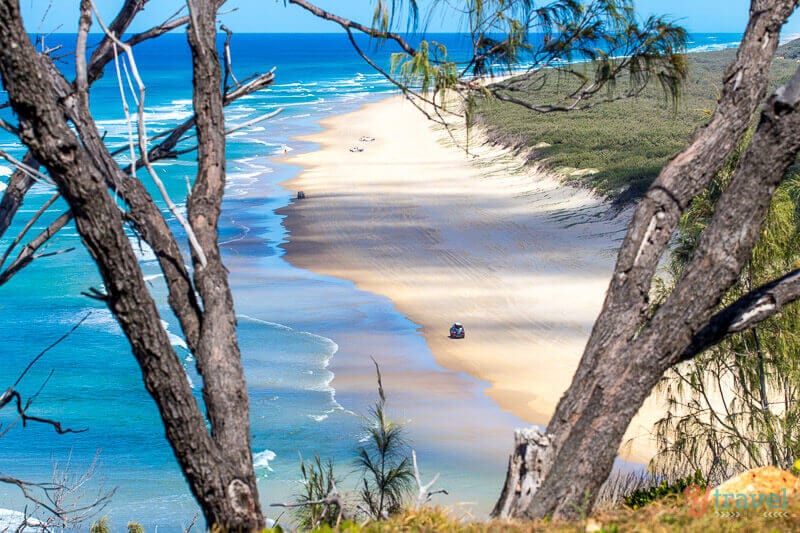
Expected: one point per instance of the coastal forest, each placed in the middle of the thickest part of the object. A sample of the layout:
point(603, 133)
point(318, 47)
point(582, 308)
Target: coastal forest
point(699, 305)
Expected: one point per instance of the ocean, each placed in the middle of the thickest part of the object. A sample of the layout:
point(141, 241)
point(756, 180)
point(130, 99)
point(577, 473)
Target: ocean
point(299, 331)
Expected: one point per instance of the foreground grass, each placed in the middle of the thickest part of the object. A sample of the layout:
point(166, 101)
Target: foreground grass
point(626, 142)
point(670, 515)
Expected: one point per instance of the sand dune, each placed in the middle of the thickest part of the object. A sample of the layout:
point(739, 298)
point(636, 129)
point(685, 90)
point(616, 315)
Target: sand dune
point(521, 260)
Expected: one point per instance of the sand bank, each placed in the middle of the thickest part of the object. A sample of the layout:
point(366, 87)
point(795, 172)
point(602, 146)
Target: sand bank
point(522, 261)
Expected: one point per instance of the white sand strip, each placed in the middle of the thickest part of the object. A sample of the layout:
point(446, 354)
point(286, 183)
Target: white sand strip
point(521, 260)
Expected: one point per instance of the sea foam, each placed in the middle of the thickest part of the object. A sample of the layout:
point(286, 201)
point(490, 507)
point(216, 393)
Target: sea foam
point(261, 460)
point(13, 520)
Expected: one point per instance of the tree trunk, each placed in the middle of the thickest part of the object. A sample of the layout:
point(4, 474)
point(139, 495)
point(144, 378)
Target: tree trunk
point(559, 474)
point(218, 467)
point(218, 358)
point(18, 186)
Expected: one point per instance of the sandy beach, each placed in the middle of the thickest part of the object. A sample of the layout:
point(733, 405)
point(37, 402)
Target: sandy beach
point(521, 260)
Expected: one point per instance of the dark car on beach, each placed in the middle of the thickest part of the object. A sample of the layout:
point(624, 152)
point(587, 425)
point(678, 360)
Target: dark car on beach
point(457, 331)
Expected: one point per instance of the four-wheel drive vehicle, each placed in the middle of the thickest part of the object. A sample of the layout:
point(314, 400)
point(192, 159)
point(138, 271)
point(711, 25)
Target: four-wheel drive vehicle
point(457, 331)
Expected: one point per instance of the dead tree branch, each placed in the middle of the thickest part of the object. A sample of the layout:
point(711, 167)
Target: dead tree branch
point(228, 61)
point(104, 53)
point(746, 312)
point(28, 252)
point(331, 501)
point(142, 131)
point(30, 171)
point(18, 185)
point(424, 494)
point(349, 24)
point(63, 499)
point(28, 226)
point(11, 395)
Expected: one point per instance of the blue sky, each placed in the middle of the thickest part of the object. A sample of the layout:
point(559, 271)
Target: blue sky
point(271, 15)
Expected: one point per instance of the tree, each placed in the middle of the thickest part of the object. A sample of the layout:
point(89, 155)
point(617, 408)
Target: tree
point(57, 128)
point(556, 39)
point(629, 350)
point(733, 407)
point(559, 471)
point(387, 475)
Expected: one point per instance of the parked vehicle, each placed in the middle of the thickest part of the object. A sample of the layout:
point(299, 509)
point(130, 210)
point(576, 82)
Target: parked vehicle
point(457, 331)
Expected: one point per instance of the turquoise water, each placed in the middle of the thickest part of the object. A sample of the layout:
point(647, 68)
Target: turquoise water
point(309, 377)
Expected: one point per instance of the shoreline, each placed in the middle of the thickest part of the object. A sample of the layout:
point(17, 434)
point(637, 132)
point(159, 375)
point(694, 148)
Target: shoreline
point(522, 260)
point(274, 297)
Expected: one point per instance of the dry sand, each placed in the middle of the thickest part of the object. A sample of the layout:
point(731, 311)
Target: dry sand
point(521, 260)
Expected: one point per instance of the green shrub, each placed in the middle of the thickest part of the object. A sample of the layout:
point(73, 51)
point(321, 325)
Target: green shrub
point(641, 497)
point(101, 526)
point(387, 475)
point(319, 483)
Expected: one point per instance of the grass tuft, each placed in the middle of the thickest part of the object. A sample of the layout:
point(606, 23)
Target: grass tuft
point(671, 514)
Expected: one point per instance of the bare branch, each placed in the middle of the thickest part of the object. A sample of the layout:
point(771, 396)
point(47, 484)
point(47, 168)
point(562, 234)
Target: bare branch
point(13, 130)
point(198, 250)
point(103, 54)
point(28, 226)
point(85, 23)
point(96, 294)
point(51, 346)
point(749, 310)
point(18, 185)
point(232, 129)
point(329, 501)
point(188, 528)
point(30, 171)
point(349, 24)
point(27, 254)
point(228, 61)
point(424, 495)
point(62, 499)
point(165, 149)
point(11, 394)
point(26, 486)
point(257, 83)
point(126, 110)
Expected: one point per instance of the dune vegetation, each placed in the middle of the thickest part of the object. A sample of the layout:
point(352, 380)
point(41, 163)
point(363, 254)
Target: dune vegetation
point(618, 148)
